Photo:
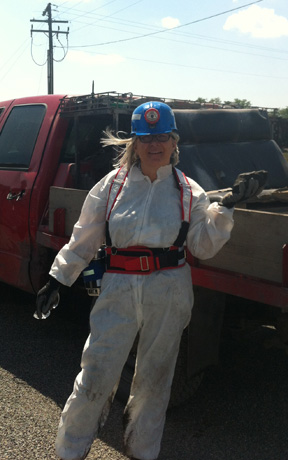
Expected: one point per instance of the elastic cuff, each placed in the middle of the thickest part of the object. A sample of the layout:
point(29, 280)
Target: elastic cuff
point(54, 283)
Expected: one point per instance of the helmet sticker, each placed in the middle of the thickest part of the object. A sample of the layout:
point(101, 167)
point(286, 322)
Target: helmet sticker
point(152, 116)
point(136, 116)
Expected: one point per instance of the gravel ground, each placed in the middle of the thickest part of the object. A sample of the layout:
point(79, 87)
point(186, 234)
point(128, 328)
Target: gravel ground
point(239, 412)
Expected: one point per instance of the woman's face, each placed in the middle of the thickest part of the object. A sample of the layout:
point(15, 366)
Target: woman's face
point(154, 154)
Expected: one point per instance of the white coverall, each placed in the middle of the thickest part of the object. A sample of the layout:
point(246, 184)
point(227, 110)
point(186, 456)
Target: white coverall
point(158, 306)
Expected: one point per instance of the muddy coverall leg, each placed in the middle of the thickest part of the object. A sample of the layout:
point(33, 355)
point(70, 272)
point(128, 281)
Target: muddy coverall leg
point(159, 340)
point(113, 330)
point(159, 306)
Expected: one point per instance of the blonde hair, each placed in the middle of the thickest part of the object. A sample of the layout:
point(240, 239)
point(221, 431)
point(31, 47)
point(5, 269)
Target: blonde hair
point(125, 148)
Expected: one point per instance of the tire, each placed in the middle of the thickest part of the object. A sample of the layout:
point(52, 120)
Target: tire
point(183, 388)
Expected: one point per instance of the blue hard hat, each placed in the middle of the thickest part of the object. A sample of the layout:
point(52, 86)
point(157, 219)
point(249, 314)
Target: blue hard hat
point(152, 118)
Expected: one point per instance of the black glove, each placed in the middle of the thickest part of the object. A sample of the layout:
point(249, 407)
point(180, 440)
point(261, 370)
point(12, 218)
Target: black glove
point(246, 186)
point(47, 299)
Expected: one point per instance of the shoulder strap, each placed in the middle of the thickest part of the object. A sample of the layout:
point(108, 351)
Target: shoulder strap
point(185, 192)
point(115, 189)
point(186, 196)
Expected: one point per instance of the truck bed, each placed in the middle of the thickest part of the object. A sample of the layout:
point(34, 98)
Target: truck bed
point(256, 245)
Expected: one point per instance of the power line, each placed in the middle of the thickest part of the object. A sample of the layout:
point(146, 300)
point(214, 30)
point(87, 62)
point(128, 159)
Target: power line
point(135, 24)
point(22, 48)
point(237, 72)
point(31, 52)
point(112, 14)
point(219, 47)
point(99, 8)
point(173, 28)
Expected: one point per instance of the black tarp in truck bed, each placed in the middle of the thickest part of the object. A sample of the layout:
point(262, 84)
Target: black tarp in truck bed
point(217, 145)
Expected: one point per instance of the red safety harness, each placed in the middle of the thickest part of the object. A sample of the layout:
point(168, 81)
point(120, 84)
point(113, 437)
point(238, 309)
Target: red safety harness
point(140, 259)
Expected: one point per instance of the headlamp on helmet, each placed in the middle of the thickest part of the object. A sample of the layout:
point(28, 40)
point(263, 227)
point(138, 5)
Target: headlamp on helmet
point(152, 118)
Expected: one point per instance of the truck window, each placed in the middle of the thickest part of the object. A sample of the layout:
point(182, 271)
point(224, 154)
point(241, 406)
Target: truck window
point(83, 137)
point(82, 147)
point(19, 135)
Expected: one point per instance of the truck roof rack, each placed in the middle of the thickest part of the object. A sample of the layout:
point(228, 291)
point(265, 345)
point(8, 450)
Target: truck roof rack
point(125, 103)
point(91, 103)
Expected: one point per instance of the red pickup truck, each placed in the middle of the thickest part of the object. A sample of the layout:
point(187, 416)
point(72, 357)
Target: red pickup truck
point(50, 156)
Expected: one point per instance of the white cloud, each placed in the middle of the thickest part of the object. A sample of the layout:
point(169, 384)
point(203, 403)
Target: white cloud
point(81, 57)
point(258, 22)
point(170, 23)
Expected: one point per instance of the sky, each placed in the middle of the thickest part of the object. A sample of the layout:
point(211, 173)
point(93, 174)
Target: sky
point(184, 49)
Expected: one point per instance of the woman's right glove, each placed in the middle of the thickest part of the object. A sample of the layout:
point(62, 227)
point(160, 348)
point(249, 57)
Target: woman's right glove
point(47, 299)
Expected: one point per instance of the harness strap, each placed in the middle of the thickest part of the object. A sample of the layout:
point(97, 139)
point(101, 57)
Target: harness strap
point(186, 193)
point(115, 189)
point(186, 197)
point(182, 234)
point(143, 260)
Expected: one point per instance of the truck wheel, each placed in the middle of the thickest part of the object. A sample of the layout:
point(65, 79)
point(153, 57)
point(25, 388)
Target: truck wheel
point(183, 387)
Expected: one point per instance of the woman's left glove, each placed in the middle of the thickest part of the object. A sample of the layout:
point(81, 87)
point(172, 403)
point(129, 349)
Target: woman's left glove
point(246, 186)
point(47, 299)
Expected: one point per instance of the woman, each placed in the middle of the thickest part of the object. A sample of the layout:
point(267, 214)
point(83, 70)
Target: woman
point(147, 287)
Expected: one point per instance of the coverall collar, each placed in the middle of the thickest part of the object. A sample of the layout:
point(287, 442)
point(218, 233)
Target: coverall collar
point(162, 172)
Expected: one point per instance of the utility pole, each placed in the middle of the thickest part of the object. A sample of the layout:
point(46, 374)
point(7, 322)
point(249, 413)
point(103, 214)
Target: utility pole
point(50, 31)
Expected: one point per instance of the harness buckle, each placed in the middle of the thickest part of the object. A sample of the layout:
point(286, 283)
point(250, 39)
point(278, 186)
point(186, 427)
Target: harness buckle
point(144, 264)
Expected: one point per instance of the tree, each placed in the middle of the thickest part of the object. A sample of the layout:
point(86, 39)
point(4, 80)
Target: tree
point(215, 100)
point(242, 103)
point(283, 112)
point(201, 100)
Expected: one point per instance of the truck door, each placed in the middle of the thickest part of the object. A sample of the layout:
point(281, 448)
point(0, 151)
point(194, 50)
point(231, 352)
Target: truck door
point(18, 170)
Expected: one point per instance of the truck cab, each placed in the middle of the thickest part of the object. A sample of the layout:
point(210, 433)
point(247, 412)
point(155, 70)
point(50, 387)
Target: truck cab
point(26, 173)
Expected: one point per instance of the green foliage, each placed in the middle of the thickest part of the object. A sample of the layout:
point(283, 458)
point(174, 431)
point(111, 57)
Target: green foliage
point(201, 100)
point(216, 100)
point(242, 103)
point(283, 112)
